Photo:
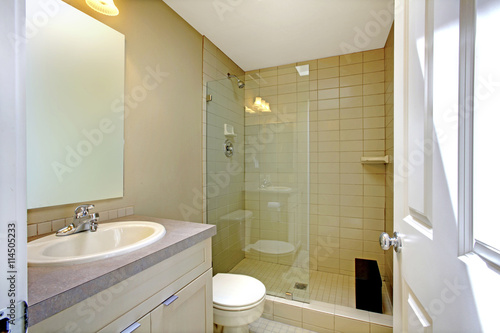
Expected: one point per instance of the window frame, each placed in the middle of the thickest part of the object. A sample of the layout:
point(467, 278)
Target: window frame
point(468, 245)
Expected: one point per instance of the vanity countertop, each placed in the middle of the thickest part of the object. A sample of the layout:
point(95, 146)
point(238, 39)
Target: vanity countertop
point(53, 289)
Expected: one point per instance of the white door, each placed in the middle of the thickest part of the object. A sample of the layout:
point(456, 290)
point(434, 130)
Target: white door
point(13, 269)
point(439, 285)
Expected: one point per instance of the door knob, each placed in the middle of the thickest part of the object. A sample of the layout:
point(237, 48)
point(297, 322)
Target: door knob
point(386, 241)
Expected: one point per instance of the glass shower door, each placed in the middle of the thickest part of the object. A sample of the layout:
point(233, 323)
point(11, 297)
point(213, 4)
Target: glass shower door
point(268, 220)
point(224, 178)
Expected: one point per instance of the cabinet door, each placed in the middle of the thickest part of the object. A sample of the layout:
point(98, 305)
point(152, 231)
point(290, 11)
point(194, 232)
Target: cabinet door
point(190, 312)
point(143, 325)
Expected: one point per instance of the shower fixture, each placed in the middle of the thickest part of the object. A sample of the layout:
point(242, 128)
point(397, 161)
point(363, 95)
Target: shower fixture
point(241, 84)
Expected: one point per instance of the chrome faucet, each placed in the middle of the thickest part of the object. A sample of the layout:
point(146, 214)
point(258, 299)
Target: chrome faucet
point(265, 183)
point(82, 221)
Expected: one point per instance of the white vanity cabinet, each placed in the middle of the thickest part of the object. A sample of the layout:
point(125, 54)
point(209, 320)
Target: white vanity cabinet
point(188, 310)
point(187, 276)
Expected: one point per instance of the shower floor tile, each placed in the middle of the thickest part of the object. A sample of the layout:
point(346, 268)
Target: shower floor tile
point(321, 286)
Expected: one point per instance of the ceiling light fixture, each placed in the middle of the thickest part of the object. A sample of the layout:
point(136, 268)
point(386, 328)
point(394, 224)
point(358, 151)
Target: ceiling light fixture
point(106, 7)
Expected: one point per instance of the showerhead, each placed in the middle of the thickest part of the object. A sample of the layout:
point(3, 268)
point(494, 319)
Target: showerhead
point(241, 84)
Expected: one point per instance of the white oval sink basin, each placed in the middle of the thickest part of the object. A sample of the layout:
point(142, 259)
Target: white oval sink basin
point(110, 239)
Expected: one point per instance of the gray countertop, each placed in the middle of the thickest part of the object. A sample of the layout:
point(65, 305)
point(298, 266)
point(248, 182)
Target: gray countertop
point(53, 289)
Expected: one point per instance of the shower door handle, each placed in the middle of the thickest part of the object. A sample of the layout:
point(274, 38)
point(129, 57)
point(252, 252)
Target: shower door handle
point(386, 241)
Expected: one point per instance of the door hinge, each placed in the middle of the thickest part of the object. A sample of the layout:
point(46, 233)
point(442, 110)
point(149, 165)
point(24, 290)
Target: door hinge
point(209, 98)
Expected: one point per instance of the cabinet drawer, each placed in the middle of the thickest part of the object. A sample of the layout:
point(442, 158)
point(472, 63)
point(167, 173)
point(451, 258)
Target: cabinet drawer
point(114, 309)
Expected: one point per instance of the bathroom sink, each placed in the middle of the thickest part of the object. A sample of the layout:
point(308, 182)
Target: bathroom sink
point(110, 239)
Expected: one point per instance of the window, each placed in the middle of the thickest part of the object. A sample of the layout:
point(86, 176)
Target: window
point(485, 138)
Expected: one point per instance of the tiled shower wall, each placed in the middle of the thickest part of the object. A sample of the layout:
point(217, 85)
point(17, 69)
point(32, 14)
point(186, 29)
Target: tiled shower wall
point(389, 150)
point(348, 118)
point(347, 121)
point(223, 188)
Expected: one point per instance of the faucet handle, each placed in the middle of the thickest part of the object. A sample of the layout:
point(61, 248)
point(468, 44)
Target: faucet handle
point(83, 210)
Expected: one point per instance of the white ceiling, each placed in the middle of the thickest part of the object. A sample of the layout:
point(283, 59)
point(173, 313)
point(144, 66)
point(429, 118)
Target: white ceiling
point(263, 33)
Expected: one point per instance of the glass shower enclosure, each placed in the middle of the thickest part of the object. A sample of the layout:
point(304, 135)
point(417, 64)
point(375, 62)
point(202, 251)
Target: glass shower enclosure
point(257, 179)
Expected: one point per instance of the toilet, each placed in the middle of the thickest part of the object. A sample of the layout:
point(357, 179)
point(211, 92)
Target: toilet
point(238, 300)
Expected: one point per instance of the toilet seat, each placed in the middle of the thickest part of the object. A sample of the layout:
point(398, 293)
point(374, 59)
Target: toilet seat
point(235, 292)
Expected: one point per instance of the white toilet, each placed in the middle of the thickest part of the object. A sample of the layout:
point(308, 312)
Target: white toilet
point(238, 301)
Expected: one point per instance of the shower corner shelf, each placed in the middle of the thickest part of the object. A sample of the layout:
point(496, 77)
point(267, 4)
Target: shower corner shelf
point(375, 159)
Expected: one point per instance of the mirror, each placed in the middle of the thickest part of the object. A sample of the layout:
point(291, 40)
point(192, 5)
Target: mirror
point(74, 106)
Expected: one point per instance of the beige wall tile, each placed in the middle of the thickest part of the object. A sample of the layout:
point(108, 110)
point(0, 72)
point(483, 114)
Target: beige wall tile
point(44, 228)
point(374, 111)
point(346, 325)
point(369, 78)
point(374, 122)
point(373, 66)
point(328, 62)
point(347, 113)
point(351, 80)
point(328, 104)
point(32, 230)
point(328, 93)
point(287, 311)
point(328, 83)
point(374, 328)
point(318, 318)
point(373, 100)
point(351, 91)
point(373, 55)
point(352, 58)
point(373, 89)
point(351, 102)
point(351, 69)
point(326, 73)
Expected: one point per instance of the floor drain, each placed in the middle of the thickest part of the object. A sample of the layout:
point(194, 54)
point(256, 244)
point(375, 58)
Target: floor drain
point(300, 286)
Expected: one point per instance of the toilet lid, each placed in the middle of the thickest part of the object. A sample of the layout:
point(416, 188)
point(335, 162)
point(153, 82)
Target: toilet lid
point(235, 290)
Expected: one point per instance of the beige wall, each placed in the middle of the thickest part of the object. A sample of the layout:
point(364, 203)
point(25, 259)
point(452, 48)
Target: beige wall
point(225, 201)
point(163, 134)
point(389, 150)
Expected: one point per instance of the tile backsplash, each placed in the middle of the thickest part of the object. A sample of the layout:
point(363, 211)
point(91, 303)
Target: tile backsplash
point(47, 227)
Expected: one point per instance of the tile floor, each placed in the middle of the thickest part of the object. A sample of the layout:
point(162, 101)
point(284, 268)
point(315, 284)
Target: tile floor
point(322, 286)
point(263, 325)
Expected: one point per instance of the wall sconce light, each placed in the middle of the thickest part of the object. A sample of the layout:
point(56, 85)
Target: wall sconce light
point(106, 7)
point(258, 103)
point(261, 105)
point(265, 107)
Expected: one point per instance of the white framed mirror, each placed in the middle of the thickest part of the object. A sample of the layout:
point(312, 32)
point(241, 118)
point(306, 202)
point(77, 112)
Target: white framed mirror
point(75, 110)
